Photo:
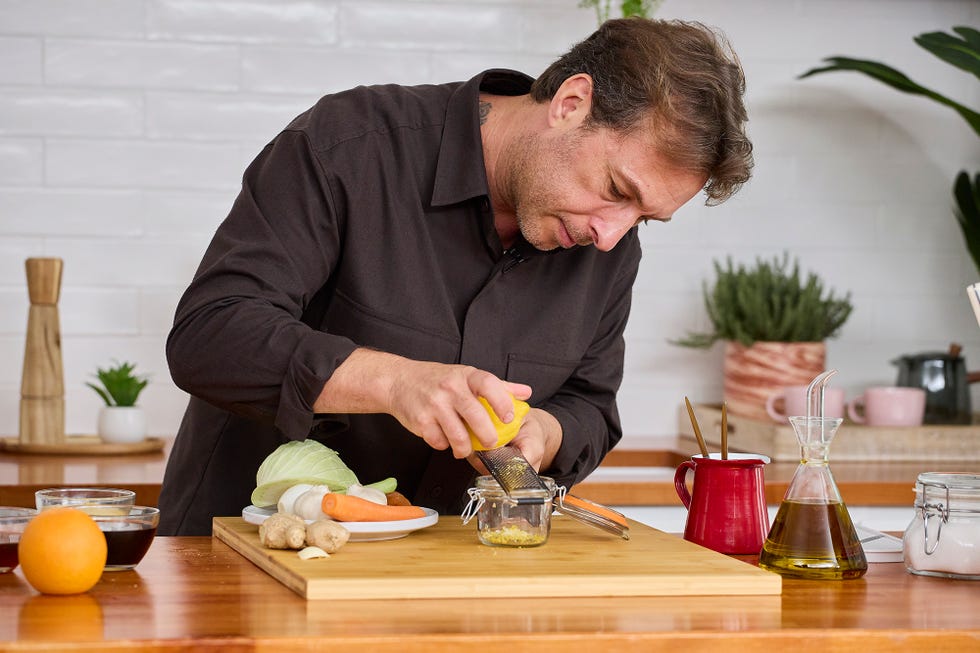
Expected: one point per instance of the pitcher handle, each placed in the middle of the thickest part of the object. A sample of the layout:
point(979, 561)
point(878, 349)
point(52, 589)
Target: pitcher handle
point(680, 482)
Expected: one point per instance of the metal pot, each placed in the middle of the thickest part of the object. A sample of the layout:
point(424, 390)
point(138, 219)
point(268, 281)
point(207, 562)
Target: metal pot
point(944, 377)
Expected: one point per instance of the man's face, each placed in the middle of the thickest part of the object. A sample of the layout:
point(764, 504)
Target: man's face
point(590, 186)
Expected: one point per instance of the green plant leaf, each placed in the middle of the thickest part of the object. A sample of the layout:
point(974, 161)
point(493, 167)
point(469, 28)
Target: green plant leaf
point(964, 53)
point(970, 35)
point(102, 393)
point(119, 385)
point(967, 212)
point(897, 80)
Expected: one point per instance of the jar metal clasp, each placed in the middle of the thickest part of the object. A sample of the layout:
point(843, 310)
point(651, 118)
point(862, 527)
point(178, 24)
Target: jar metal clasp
point(476, 502)
point(935, 509)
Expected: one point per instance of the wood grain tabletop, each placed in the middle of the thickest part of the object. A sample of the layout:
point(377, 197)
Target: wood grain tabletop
point(198, 594)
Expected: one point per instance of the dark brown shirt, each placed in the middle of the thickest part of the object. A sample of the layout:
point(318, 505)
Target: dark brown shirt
point(367, 223)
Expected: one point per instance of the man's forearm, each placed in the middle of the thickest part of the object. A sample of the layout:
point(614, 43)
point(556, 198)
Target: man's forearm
point(361, 384)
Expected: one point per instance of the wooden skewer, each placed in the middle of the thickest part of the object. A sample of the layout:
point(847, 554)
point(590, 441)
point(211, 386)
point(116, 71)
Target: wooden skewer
point(697, 429)
point(724, 431)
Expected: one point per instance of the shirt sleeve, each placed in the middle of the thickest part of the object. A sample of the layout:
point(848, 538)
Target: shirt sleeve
point(585, 405)
point(244, 336)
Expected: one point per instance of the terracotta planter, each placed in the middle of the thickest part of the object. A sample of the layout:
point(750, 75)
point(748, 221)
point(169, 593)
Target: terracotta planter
point(753, 373)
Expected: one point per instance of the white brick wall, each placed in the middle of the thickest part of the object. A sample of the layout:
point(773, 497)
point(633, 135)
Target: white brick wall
point(125, 126)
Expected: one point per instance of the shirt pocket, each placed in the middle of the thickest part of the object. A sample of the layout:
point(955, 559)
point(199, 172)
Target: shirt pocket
point(370, 327)
point(546, 375)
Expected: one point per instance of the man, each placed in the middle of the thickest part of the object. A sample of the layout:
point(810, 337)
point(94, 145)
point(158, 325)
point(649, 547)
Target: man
point(398, 252)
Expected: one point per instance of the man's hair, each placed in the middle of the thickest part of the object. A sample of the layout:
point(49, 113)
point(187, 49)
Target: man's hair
point(679, 78)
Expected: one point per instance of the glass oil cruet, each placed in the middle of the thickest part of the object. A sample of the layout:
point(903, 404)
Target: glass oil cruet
point(812, 535)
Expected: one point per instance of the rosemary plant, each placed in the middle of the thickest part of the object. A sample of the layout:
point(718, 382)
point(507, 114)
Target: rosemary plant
point(769, 302)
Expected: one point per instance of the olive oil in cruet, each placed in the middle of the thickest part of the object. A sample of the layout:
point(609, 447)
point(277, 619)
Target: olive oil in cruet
point(812, 535)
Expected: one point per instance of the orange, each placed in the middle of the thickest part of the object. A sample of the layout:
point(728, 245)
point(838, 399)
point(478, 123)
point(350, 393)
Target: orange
point(62, 551)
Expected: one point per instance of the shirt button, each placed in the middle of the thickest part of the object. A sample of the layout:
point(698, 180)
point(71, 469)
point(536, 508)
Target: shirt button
point(436, 491)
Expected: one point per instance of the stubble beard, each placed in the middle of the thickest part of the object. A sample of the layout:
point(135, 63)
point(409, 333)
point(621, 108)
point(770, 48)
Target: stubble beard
point(532, 184)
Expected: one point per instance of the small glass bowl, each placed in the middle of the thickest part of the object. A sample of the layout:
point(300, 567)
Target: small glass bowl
point(12, 523)
point(128, 535)
point(88, 499)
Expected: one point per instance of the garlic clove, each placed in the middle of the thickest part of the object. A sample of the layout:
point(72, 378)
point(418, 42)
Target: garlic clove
point(308, 504)
point(367, 493)
point(288, 499)
point(312, 552)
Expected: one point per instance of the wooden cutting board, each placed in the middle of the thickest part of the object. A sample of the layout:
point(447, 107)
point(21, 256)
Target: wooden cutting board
point(447, 561)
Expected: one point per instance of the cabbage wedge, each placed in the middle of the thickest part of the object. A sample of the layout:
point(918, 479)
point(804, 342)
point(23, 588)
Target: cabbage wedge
point(300, 461)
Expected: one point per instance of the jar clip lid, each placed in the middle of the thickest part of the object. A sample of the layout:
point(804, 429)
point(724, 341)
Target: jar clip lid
point(591, 513)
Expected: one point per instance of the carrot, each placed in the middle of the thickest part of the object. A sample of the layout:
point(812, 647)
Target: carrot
point(397, 499)
point(344, 507)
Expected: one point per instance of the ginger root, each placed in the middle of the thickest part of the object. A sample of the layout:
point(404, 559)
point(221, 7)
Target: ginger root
point(282, 531)
point(285, 531)
point(327, 535)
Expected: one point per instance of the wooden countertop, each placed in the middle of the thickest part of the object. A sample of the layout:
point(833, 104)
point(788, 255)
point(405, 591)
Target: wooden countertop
point(198, 594)
point(639, 477)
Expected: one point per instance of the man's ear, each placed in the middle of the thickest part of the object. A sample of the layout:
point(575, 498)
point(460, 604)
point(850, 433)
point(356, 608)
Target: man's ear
point(572, 102)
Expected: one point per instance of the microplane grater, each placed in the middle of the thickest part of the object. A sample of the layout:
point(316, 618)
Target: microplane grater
point(514, 474)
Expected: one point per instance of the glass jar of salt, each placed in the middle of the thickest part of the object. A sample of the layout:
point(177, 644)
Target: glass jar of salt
point(943, 538)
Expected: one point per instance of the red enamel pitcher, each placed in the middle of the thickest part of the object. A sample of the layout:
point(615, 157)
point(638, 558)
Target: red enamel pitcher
point(726, 511)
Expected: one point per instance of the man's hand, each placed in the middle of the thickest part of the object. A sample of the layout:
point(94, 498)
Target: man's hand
point(433, 400)
point(538, 441)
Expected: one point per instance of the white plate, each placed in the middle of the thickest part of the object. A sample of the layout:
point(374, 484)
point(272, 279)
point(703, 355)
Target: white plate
point(878, 546)
point(360, 531)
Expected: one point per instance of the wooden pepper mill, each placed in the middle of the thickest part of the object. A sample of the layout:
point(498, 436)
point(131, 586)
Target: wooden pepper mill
point(42, 390)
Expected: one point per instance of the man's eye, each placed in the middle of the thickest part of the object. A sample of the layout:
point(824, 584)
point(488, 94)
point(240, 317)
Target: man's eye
point(614, 191)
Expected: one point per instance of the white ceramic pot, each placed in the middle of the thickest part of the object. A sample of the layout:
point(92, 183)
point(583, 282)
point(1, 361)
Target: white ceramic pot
point(121, 424)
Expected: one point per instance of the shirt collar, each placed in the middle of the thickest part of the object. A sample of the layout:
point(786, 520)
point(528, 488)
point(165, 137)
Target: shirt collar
point(460, 172)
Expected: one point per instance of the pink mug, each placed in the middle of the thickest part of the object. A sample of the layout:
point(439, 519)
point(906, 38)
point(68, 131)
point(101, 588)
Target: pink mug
point(727, 510)
point(793, 399)
point(888, 406)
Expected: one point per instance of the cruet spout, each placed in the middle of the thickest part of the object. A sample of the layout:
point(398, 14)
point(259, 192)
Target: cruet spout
point(814, 394)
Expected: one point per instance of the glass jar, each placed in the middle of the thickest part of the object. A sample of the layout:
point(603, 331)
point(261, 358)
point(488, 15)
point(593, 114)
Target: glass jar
point(943, 538)
point(522, 520)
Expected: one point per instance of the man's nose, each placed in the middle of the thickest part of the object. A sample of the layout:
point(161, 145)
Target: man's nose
point(607, 232)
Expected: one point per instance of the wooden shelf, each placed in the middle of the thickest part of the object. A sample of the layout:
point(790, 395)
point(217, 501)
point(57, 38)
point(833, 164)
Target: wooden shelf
point(81, 445)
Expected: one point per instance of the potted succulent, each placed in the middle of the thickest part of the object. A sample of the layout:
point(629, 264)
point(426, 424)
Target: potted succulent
point(120, 420)
point(774, 323)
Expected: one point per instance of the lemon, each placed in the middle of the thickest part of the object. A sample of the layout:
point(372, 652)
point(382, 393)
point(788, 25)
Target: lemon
point(505, 432)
